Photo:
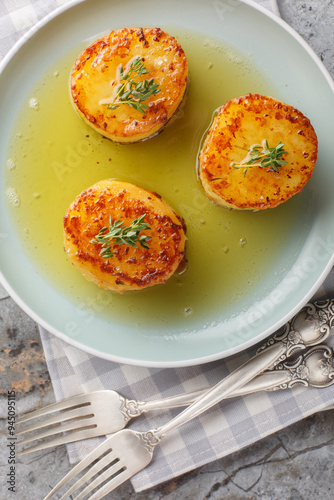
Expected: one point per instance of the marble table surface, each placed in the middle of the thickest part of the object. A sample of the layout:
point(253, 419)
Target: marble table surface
point(296, 463)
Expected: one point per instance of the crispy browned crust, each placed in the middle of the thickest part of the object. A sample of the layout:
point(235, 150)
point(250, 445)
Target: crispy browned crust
point(245, 121)
point(130, 268)
point(93, 79)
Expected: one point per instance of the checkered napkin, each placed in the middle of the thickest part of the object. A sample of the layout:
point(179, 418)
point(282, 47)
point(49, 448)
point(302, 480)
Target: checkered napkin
point(227, 427)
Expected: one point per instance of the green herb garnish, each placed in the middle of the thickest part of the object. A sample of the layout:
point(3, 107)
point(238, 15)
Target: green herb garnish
point(261, 155)
point(131, 92)
point(121, 235)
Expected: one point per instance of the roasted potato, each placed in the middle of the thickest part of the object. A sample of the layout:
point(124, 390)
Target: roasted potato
point(156, 251)
point(253, 123)
point(102, 72)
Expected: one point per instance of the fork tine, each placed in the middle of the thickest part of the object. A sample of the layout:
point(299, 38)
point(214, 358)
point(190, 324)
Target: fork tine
point(108, 459)
point(56, 419)
point(85, 462)
point(67, 427)
point(59, 440)
point(112, 484)
point(81, 399)
point(123, 476)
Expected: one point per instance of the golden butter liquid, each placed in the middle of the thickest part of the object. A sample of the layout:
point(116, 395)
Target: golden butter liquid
point(54, 155)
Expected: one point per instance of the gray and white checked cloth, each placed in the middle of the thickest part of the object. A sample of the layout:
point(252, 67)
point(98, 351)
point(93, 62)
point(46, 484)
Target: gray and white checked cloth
point(224, 429)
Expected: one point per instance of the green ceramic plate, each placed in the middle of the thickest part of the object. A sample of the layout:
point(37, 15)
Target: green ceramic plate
point(291, 70)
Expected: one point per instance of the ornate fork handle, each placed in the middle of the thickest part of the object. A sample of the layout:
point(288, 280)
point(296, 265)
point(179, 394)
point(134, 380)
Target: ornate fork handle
point(311, 326)
point(315, 368)
point(315, 357)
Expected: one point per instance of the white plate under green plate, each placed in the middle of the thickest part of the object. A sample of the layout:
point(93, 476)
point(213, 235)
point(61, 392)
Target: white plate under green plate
point(307, 254)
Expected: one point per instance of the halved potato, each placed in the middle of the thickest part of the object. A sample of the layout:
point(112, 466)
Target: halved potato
point(128, 267)
point(97, 76)
point(242, 123)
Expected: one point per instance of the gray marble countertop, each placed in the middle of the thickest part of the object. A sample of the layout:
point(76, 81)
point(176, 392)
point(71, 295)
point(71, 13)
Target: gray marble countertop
point(296, 463)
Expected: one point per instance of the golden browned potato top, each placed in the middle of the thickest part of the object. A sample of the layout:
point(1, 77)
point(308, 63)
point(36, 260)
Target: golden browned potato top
point(242, 123)
point(130, 267)
point(96, 78)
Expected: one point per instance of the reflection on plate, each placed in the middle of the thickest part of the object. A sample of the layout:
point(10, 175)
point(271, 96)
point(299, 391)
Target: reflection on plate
point(247, 273)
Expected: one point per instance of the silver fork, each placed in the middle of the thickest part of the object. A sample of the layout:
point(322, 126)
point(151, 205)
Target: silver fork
point(127, 452)
point(104, 412)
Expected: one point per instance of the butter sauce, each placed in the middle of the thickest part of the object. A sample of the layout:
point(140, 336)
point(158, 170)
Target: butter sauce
point(54, 155)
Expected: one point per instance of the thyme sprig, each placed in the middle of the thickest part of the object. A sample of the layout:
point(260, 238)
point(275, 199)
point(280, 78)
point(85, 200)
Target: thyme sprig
point(132, 92)
point(117, 234)
point(261, 155)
